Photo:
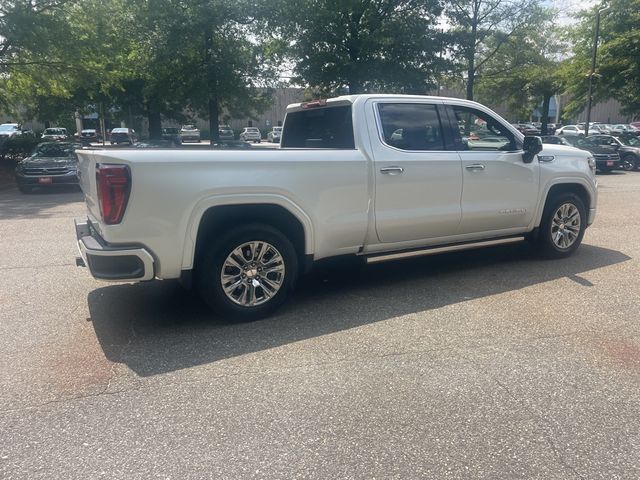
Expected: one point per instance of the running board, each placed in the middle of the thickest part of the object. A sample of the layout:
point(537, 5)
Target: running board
point(384, 257)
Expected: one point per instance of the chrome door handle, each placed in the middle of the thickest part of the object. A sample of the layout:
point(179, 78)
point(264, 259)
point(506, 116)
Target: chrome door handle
point(392, 170)
point(475, 166)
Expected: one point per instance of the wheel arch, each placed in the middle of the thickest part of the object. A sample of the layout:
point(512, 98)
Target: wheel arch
point(220, 213)
point(568, 186)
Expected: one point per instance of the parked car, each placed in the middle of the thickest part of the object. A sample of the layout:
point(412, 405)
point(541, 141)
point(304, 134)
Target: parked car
point(89, 135)
point(528, 129)
point(274, 135)
point(54, 134)
point(621, 129)
point(8, 130)
point(628, 148)
point(225, 133)
point(594, 127)
point(243, 231)
point(570, 130)
point(635, 125)
point(123, 135)
point(555, 140)
point(172, 134)
point(190, 133)
point(251, 134)
point(607, 157)
point(50, 164)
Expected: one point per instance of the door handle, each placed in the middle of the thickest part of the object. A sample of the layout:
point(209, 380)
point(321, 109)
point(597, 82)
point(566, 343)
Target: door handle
point(392, 170)
point(475, 166)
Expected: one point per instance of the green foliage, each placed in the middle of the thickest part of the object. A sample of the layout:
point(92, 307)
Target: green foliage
point(382, 45)
point(524, 72)
point(618, 60)
point(17, 147)
point(481, 29)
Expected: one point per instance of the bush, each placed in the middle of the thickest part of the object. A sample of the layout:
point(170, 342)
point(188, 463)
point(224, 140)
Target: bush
point(17, 147)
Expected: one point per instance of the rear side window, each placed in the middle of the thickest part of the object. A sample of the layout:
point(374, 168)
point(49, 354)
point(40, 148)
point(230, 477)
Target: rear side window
point(329, 127)
point(410, 126)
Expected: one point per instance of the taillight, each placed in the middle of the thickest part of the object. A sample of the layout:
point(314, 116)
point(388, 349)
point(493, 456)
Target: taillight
point(114, 186)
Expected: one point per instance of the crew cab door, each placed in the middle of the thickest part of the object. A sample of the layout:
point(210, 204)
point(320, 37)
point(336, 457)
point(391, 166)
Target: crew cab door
point(418, 181)
point(499, 190)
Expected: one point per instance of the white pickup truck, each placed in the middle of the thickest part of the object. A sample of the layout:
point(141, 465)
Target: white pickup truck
point(364, 175)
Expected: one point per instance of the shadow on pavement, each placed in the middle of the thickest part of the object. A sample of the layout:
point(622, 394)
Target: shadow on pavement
point(40, 203)
point(158, 327)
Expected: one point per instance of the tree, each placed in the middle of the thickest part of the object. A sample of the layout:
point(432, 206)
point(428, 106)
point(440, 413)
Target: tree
point(524, 72)
point(364, 45)
point(482, 28)
point(618, 63)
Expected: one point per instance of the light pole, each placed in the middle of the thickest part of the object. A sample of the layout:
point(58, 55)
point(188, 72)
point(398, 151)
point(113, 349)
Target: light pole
point(593, 68)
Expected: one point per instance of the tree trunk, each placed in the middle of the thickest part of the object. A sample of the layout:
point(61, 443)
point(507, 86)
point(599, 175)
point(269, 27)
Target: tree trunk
point(471, 77)
point(212, 88)
point(47, 124)
point(214, 113)
point(545, 113)
point(155, 120)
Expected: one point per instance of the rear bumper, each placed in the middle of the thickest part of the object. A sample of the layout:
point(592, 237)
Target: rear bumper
point(113, 263)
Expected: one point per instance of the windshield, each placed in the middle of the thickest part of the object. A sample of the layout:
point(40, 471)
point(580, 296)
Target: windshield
point(54, 131)
point(8, 128)
point(50, 150)
point(189, 127)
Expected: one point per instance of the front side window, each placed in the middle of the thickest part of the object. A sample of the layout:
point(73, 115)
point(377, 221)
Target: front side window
point(411, 126)
point(480, 131)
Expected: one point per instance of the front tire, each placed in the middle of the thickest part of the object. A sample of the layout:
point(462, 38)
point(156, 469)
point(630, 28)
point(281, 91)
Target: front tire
point(628, 163)
point(564, 221)
point(248, 273)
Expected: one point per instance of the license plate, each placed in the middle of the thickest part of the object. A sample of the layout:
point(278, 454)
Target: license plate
point(609, 164)
point(45, 180)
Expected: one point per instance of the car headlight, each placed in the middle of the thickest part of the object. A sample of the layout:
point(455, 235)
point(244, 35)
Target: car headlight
point(592, 163)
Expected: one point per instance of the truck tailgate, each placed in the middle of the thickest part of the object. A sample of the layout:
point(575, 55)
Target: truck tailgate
point(87, 176)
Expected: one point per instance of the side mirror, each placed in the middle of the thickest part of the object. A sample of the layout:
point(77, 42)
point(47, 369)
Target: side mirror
point(532, 146)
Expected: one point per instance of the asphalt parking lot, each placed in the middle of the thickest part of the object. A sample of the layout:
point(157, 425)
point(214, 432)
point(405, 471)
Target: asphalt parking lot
point(485, 364)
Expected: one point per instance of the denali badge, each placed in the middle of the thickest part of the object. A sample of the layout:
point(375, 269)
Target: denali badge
point(512, 211)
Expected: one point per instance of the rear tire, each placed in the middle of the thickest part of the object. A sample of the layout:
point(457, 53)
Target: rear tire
point(248, 273)
point(564, 221)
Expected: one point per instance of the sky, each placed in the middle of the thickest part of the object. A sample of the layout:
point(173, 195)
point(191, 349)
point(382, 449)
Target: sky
point(568, 7)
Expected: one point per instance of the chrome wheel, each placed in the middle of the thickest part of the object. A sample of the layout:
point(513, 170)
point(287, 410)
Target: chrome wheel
point(565, 225)
point(252, 273)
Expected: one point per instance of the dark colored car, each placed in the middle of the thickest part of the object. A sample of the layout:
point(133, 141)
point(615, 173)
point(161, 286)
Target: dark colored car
point(527, 129)
point(225, 133)
point(555, 140)
point(123, 135)
point(172, 135)
point(50, 164)
point(607, 157)
point(628, 148)
point(89, 135)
